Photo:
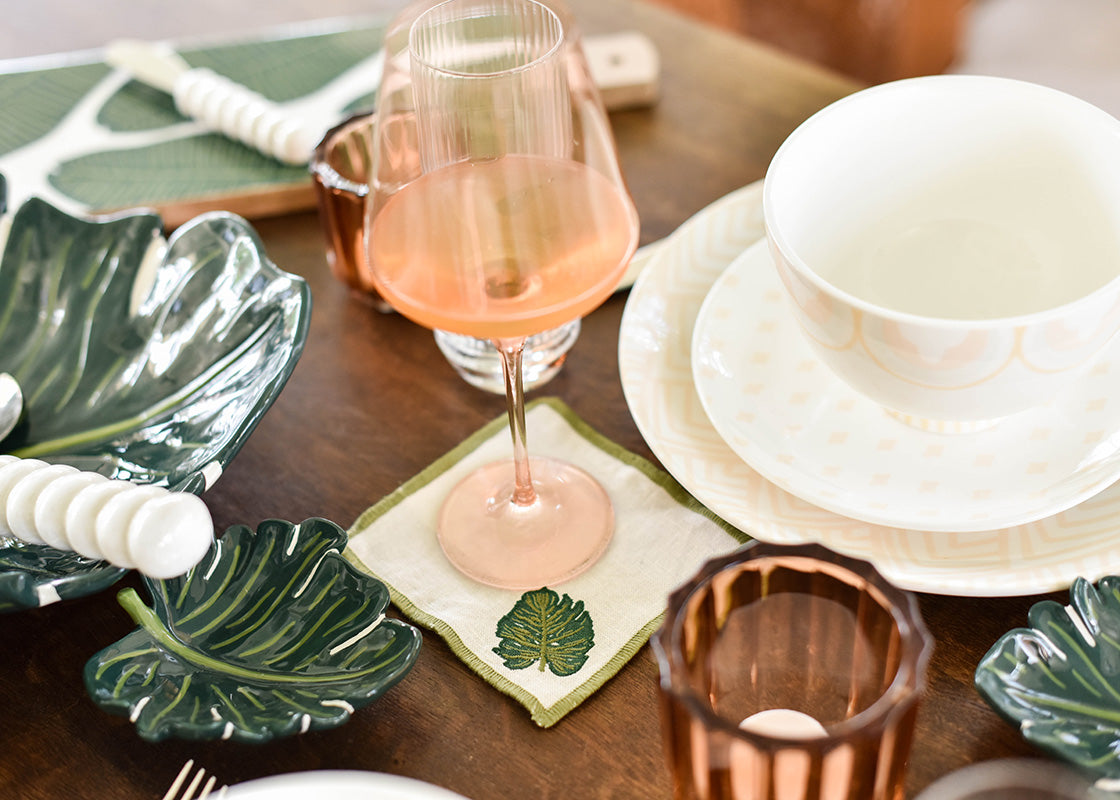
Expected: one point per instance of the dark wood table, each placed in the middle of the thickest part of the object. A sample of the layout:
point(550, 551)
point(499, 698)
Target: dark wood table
point(372, 402)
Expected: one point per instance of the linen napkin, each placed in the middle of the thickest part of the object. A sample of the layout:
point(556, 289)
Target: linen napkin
point(662, 537)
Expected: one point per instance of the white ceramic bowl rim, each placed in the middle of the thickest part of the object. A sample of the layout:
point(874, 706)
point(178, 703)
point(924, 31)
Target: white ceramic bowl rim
point(778, 240)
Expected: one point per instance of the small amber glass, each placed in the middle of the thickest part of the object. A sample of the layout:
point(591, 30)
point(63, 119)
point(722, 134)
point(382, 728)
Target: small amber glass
point(340, 167)
point(802, 629)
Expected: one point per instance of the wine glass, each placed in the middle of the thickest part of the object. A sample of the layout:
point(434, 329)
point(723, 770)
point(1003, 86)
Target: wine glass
point(514, 220)
point(339, 168)
point(475, 360)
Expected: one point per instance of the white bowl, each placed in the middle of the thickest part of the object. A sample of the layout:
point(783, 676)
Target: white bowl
point(951, 244)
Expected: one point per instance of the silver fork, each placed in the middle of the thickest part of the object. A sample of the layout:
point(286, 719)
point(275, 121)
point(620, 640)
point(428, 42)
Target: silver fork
point(193, 786)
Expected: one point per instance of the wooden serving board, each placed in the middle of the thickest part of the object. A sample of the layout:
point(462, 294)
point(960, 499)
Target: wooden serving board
point(89, 139)
point(86, 137)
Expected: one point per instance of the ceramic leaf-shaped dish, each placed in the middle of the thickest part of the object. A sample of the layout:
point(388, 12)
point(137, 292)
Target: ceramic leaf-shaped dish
point(34, 575)
point(139, 357)
point(1059, 679)
point(273, 633)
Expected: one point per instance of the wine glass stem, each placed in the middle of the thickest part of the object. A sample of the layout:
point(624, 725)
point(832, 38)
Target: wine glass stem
point(511, 351)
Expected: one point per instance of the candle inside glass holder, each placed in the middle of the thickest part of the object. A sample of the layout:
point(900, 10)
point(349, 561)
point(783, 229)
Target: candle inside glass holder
point(779, 637)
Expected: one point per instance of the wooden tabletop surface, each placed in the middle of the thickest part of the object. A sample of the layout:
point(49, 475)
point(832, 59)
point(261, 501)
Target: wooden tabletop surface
point(372, 402)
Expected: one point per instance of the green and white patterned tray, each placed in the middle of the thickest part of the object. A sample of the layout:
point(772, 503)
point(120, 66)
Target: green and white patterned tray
point(87, 138)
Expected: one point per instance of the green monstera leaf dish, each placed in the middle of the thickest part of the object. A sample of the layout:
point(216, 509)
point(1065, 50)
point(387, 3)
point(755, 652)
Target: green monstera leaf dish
point(1059, 679)
point(139, 357)
point(34, 575)
point(273, 633)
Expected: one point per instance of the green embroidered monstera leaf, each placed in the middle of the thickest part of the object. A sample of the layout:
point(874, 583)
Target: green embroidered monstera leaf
point(547, 630)
point(138, 358)
point(1059, 680)
point(273, 633)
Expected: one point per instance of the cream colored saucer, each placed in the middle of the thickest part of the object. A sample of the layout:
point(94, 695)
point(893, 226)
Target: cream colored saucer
point(656, 370)
point(787, 415)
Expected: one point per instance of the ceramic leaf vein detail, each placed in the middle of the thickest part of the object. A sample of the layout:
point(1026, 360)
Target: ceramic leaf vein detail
point(321, 650)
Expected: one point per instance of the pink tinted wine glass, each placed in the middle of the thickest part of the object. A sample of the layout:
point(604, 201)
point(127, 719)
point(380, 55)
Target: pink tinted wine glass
point(517, 220)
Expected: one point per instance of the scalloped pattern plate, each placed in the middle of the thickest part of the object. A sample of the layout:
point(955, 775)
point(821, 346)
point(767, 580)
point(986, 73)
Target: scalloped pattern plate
point(788, 416)
point(655, 341)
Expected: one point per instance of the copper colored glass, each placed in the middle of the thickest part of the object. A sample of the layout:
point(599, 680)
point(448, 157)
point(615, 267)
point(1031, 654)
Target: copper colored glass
point(340, 167)
point(802, 629)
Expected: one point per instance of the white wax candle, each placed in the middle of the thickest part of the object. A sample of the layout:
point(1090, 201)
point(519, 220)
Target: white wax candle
point(783, 722)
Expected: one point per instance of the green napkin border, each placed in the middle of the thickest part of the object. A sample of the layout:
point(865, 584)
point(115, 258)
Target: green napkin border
point(543, 716)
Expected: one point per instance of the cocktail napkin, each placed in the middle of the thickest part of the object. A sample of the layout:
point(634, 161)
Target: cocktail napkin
point(662, 537)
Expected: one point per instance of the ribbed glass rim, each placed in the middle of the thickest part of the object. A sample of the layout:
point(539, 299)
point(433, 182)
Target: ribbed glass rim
point(557, 27)
point(904, 690)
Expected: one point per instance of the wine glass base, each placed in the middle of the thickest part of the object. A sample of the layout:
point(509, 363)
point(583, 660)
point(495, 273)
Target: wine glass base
point(494, 541)
point(479, 364)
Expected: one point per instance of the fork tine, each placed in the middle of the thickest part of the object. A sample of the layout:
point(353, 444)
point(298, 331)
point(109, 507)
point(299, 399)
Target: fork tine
point(173, 790)
point(198, 776)
point(189, 792)
point(205, 789)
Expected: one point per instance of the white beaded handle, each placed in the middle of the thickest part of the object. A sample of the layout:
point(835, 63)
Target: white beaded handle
point(136, 526)
point(243, 114)
point(624, 66)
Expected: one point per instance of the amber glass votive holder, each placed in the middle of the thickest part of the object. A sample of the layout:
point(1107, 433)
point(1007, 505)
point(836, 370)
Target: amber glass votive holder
point(340, 167)
point(790, 673)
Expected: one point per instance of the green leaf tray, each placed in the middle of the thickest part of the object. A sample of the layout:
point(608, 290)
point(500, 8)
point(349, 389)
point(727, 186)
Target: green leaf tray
point(1059, 679)
point(85, 137)
point(273, 633)
point(139, 357)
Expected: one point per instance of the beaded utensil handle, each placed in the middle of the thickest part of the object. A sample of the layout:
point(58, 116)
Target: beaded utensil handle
point(624, 66)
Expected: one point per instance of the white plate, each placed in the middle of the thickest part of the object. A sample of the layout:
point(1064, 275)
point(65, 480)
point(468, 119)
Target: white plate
point(656, 370)
point(338, 785)
point(786, 414)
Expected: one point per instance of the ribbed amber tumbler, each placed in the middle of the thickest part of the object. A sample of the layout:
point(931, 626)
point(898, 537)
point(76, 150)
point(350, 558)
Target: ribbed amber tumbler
point(340, 166)
point(822, 637)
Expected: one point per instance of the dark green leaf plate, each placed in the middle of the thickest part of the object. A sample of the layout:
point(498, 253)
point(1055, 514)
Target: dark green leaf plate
point(139, 357)
point(1059, 679)
point(273, 633)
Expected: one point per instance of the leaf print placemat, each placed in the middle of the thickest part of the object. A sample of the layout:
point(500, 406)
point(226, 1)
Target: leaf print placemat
point(553, 647)
point(87, 138)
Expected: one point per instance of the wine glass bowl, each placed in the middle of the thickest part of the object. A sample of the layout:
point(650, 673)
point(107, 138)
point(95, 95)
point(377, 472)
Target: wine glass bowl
point(340, 167)
point(514, 220)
